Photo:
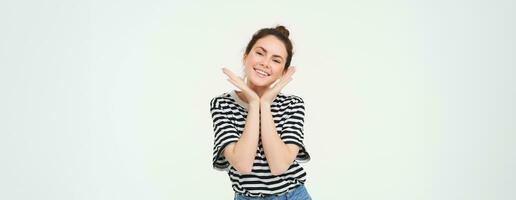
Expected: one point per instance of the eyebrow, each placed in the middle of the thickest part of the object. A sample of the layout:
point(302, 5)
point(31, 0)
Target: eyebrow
point(263, 49)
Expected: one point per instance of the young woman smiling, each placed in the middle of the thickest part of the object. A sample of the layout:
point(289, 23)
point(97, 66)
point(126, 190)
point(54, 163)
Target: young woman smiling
point(258, 131)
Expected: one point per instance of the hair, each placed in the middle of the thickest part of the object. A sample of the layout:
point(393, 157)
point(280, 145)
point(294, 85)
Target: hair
point(279, 32)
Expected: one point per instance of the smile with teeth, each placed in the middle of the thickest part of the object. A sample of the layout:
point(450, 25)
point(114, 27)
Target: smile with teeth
point(261, 73)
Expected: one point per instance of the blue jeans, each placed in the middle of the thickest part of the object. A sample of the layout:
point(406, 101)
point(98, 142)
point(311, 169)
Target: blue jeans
point(298, 193)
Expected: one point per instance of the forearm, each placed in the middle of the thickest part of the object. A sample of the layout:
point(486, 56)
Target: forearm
point(279, 155)
point(244, 151)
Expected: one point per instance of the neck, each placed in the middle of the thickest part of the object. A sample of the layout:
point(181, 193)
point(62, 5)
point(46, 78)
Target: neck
point(259, 90)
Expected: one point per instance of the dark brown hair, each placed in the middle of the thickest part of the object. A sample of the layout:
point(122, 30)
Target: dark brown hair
point(279, 32)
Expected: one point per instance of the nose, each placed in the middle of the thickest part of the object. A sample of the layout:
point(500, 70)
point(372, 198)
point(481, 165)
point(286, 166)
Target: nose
point(264, 63)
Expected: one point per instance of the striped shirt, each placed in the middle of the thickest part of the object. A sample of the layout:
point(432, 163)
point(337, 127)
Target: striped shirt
point(229, 113)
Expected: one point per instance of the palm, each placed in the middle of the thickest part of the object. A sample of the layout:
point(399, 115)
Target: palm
point(271, 93)
point(239, 82)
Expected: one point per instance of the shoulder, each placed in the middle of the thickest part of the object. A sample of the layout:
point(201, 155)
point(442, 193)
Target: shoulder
point(220, 100)
point(290, 99)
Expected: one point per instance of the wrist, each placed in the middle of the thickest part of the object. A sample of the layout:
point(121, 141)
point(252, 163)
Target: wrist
point(264, 104)
point(254, 104)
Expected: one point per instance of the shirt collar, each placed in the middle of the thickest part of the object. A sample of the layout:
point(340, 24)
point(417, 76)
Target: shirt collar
point(238, 100)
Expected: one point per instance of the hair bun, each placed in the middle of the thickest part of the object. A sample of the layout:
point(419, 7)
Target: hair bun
point(282, 30)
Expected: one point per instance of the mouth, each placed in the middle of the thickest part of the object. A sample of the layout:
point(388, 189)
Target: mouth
point(261, 73)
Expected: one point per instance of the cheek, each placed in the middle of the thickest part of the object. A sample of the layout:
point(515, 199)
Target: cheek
point(248, 69)
point(251, 59)
point(278, 74)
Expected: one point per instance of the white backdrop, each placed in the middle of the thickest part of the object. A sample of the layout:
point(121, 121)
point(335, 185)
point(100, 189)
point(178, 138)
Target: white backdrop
point(110, 99)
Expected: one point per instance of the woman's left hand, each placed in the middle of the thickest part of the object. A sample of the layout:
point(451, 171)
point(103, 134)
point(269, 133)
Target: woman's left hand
point(271, 93)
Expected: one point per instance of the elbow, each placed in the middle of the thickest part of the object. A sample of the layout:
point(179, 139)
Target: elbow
point(244, 167)
point(278, 171)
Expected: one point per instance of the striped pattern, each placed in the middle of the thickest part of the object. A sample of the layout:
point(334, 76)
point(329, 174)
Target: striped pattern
point(229, 114)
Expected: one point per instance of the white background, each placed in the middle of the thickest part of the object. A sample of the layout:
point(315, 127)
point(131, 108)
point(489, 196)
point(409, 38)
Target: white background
point(110, 99)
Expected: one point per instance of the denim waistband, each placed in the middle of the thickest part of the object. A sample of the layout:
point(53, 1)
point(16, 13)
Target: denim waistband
point(276, 195)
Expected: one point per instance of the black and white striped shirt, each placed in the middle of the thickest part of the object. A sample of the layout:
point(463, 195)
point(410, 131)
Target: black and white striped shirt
point(229, 113)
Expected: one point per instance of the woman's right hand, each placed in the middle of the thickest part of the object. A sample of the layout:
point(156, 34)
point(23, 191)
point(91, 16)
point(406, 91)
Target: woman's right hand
point(249, 94)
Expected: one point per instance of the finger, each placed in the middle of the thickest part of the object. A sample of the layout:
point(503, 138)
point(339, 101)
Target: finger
point(239, 84)
point(230, 73)
point(235, 83)
point(290, 71)
point(275, 83)
point(287, 75)
point(236, 79)
point(282, 84)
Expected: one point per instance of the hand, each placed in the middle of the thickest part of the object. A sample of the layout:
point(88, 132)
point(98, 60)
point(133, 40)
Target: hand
point(249, 94)
point(271, 93)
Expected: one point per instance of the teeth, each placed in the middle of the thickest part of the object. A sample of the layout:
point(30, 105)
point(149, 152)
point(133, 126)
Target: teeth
point(262, 72)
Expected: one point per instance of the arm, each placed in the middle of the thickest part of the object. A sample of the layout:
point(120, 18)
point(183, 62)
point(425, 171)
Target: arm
point(279, 155)
point(242, 153)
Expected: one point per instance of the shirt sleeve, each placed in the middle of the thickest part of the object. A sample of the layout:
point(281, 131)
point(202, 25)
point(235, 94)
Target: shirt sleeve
point(225, 132)
point(292, 132)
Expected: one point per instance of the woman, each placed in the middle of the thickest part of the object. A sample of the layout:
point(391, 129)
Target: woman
point(259, 130)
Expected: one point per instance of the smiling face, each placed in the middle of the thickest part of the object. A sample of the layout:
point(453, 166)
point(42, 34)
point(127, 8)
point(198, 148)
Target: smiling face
point(265, 63)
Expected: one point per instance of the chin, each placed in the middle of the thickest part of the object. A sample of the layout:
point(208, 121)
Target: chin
point(260, 82)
